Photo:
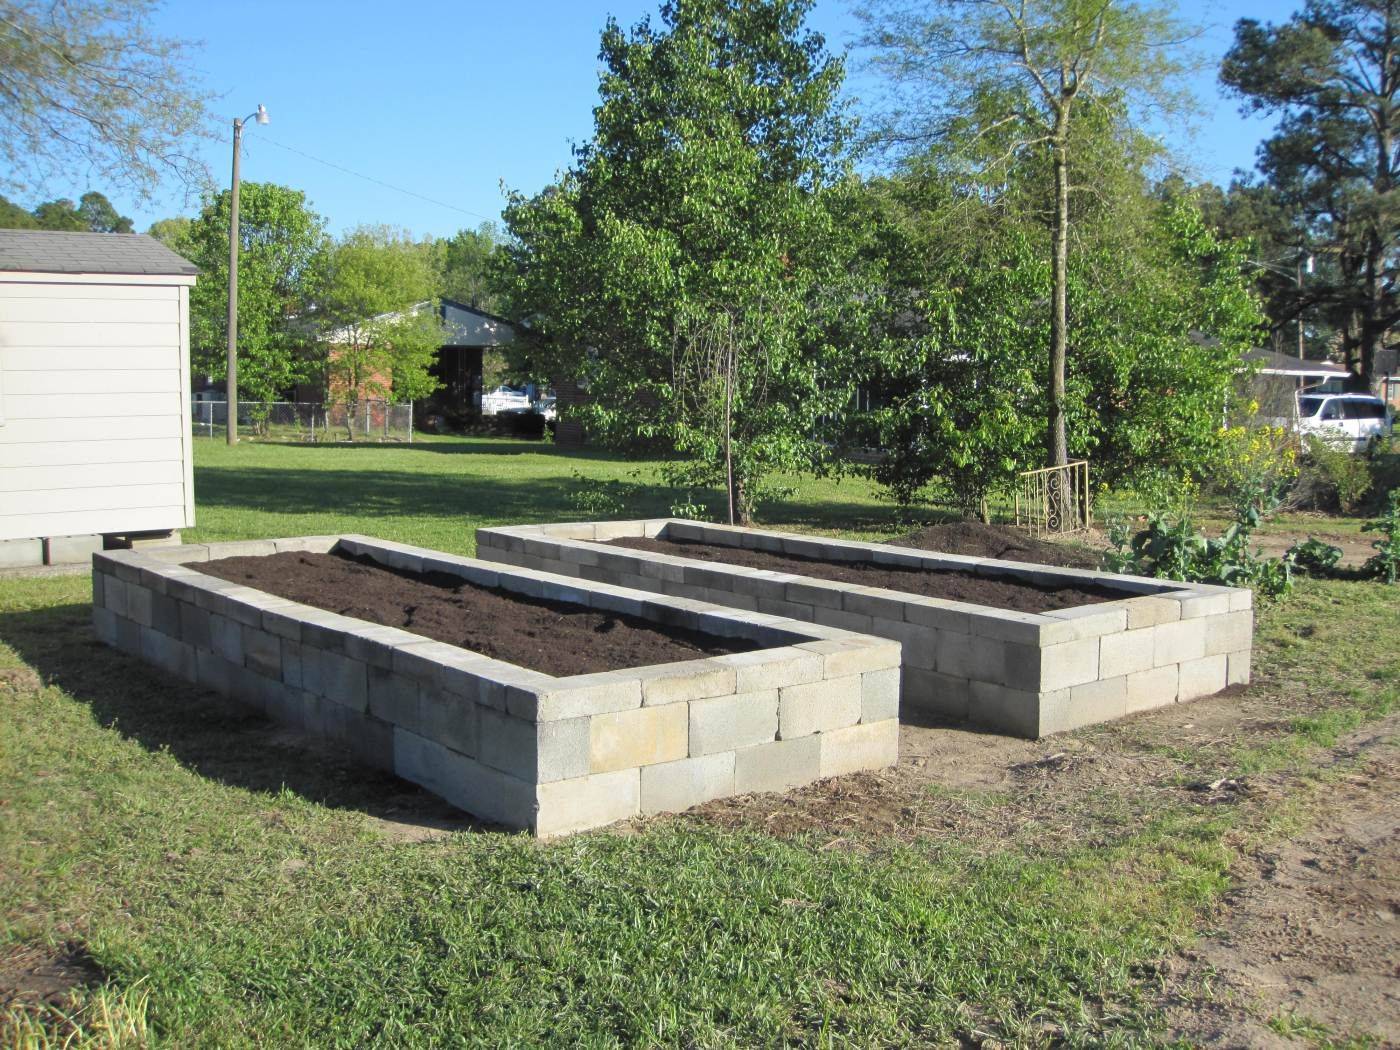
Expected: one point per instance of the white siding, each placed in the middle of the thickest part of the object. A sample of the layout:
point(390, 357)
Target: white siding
point(94, 405)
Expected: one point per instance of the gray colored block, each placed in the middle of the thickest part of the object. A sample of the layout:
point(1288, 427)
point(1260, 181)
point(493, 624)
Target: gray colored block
point(819, 707)
point(70, 550)
point(879, 695)
point(778, 766)
point(729, 722)
point(21, 554)
point(675, 786)
point(463, 781)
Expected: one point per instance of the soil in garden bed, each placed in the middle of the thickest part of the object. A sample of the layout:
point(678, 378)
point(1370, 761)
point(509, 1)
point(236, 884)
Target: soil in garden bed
point(556, 638)
point(976, 539)
point(998, 592)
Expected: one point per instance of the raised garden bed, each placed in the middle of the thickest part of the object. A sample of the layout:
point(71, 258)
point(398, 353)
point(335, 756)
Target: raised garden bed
point(1126, 643)
point(727, 702)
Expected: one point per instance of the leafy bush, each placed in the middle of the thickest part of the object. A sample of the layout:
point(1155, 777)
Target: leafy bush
point(1174, 549)
point(1254, 460)
point(1332, 476)
point(595, 500)
point(1314, 557)
point(1385, 563)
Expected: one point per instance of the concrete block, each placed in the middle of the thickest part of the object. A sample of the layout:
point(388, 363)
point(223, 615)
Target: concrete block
point(392, 698)
point(21, 554)
point(104, 625)
point(1069, 664)
point(1203, 677)
point(687, 680)
point(918, 644)
point(262, 652)
point(138, 604)
point(1205, 605)
point(1092, 621)
point(214, 673)
point(932, 694)
point(1229, 632)
point(779, 765)
point(846, 621)
point(165, 615)
point(1126, 653)
point(971, 656)
point(447, 719)
point(845, 656)
point(588, 694)
point(729, 722)
point(778, 607)
point(1179, 642)
point(874, 745)
point(879, 695)
point(817, 707)
point(1241, 599)
point(1156, 687)
point(374, 644)
point(644, 737)
point(1147, 611)
point(675, 786)
point(1022, 665)
point(301, 711)
point(1013, 711)
point(1093, 702)
point(508, 744)
point(941, 614)
point(169, 654)
point(1237, 672)
point(873, 602)
point(587, 802)
point(69, 550)
point(820, 594)
point(336, 677)
point(226, 638)
point(463, 781)
point(114, 594)
point(772, 668)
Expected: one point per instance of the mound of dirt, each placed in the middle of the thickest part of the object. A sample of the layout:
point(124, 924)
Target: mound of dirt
point(976, 540)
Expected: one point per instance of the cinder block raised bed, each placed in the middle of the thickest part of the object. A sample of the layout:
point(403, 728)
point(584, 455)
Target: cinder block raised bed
point(512, 745)
point(1029, 674)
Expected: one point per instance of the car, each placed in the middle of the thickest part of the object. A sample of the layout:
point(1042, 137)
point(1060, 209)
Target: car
point(1356, 421)
point(505, 400)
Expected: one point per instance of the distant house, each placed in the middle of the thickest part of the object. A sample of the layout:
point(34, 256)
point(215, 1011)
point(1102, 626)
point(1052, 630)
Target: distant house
point(470, 333)
point(1279, 377)
point(94, 393)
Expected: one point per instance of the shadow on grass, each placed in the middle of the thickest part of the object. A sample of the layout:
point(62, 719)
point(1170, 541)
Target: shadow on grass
point(213, 737)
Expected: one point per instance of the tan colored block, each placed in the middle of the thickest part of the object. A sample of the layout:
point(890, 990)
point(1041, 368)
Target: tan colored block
point(818, 706)
point(687, 680)
point(1148, 611)
point(1203, 677)
point(729, 722)
point(771, 668)
point(1178, 642)
point(588, 802)
point(871, 746)
point(1069, 664)
point(643, 737)
point(845, 656)
point(1153, 688)
point(1126, 653)
point(1229, 633)
point(1237, 672)
point(879, 695)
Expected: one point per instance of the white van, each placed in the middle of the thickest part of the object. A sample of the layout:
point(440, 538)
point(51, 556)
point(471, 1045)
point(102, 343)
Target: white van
point(1356, 420)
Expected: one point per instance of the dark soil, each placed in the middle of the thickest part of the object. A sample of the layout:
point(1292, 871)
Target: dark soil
point(998, 592)
point(556, 638)
point(976, 540)
point(32, 974)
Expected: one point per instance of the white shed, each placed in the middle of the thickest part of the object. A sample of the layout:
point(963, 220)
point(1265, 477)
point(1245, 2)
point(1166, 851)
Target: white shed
point(94, 393)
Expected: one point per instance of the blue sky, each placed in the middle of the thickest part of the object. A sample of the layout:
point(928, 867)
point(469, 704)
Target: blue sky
point(452, 100)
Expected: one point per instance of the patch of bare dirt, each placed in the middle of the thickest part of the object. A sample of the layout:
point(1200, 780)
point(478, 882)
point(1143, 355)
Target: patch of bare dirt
point(1311, 933)
point(33, 974)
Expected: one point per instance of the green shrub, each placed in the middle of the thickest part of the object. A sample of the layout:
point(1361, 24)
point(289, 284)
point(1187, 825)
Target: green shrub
point(1385, 563)
point(1332, 477)
point(1314, 557)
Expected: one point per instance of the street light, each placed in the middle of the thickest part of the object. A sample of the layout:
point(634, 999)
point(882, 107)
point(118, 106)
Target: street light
point(260, 117)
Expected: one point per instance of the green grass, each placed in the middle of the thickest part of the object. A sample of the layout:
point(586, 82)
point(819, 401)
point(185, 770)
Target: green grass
point(244, 892)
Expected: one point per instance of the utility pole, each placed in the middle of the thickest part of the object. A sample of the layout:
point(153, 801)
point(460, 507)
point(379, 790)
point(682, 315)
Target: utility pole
point(260, 115)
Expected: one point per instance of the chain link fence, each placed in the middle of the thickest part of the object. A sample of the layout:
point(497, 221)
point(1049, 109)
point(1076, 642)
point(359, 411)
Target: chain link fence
point(307, 421)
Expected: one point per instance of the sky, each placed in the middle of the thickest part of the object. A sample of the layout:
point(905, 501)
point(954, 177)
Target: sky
point(420, 114)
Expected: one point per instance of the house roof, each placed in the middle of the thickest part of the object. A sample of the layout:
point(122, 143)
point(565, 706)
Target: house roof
point(46, 251)
point(470, 326)
point(1271, 363)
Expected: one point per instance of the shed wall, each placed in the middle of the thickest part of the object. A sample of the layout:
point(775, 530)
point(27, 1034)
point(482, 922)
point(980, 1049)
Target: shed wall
point(94, 413)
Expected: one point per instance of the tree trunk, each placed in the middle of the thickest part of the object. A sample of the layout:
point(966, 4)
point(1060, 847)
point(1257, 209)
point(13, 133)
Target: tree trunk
point(738, 499)
point(1057, 447)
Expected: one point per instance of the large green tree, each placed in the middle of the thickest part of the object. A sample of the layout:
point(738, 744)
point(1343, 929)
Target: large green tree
point(1331, 74)
point(690, 267)
point(93, 213)
point(378, 322)
point(281, 249)
point(88, 86)
point(1012, 79)
point(464, 264)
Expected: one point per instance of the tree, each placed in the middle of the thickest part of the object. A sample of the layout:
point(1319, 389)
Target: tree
point(175, 233)
point(380, 330)
point(690, 267)
point(87, 86)
point(464, 264)
point(1332, 75)
point(281, 245)
point(94, 213)
point(1013, 78)
point(955, 370)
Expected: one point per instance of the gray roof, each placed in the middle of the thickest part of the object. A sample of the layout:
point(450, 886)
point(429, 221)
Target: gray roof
point(44, 251)
point(1269, 361)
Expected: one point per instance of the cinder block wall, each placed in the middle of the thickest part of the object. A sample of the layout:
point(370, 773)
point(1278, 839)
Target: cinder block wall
point(514, 746)
point(1022, 673)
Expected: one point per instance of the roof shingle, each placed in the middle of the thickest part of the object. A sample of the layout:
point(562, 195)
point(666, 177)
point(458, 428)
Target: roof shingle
point(46, 251)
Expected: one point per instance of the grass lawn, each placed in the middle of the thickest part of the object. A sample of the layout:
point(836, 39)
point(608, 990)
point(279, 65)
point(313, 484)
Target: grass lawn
point(218, 885)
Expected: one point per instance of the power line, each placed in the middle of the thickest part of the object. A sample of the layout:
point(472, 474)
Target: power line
point(370, 178)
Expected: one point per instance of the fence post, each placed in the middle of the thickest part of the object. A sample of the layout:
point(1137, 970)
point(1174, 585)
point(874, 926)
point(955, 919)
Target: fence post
point(410, 422)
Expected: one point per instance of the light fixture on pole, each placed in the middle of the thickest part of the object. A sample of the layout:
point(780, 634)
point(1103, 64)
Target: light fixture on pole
point(260, 117)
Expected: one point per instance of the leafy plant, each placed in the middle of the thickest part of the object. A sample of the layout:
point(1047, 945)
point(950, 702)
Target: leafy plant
point(1385, 563)
point(1314, 557)
point(1333, 475)
point(595, 499)
point(689, 509)
point(1173, 548)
